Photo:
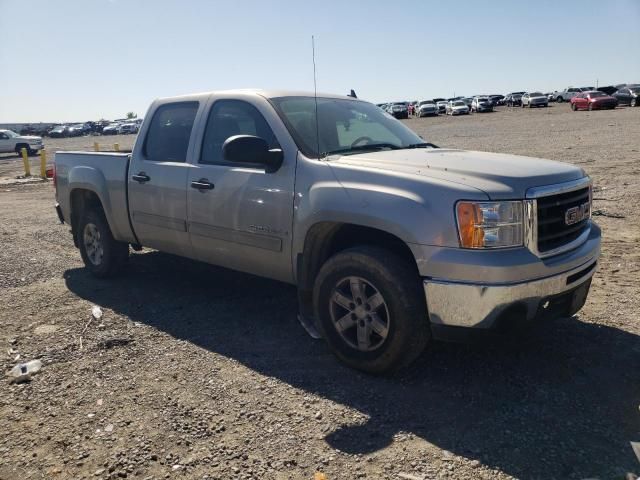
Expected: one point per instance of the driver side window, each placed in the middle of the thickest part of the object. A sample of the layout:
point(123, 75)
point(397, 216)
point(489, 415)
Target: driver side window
point(4, 136)
point(228, 118)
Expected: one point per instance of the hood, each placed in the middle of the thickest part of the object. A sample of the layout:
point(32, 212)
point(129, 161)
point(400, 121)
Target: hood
point(500, 176)
point(30, 137)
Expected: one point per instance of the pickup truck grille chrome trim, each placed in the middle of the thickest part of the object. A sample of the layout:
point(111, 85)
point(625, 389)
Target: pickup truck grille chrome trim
point(547, 232)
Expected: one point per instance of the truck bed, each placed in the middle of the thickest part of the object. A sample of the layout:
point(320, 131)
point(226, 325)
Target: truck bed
point(102, 173)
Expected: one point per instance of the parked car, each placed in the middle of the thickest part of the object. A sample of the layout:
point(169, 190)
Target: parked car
point(496, 100)
point(385, 253)
point(10, 141)
point(427, 108)
point(609, 90)
point(513, 99)
point(442, 106)
point(75, 130)
point(127, 128)
point(534, 99)
point(567, 94)
point(111, 129)
point(593, 100)
point(59, 132)
point(481, 104)
point(457, 107)
point(628, 96)
point(399, 110)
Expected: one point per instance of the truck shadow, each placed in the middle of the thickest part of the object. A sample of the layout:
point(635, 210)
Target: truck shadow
point(562, 404)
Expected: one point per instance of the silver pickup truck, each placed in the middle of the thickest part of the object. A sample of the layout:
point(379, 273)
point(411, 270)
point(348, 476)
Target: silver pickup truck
point(390, 240)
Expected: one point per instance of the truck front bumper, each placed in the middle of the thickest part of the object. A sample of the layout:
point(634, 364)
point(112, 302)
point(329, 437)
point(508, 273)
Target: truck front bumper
point(505, 306)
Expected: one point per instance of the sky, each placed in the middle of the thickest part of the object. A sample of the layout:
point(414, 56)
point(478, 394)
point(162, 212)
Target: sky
point(76, 60)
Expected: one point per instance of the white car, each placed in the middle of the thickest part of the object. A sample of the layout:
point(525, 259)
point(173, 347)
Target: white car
point(12, 142)
point(534, 99)
point(126, 128)
point(457, 107)
point(426, 108)
point(481, 104)
point(442, 106)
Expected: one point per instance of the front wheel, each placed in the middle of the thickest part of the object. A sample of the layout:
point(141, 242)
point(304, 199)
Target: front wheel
point(634, 102)
point(573, 107)
point(560, 100)
point(590, 106)
point(371, 309)
point(103, 255)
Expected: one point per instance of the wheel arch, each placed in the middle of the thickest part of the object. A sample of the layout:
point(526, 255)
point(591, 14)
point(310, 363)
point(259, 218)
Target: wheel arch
point(325, 239)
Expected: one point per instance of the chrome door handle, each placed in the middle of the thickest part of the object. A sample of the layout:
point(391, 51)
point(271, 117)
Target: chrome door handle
point(202, 184)
point(141, 177)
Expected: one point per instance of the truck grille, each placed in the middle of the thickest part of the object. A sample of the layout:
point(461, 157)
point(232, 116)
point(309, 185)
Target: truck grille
point(553, 231)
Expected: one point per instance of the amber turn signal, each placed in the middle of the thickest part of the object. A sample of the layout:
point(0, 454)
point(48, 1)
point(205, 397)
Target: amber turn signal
point(469, 225)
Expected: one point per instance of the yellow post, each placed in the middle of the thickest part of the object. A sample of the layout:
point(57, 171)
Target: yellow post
point(43, 163)
point(116, 147)
point(96, 147)
point(25, 160)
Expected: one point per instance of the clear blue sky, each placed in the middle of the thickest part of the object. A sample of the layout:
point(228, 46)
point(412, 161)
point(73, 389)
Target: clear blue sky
point(67, 60)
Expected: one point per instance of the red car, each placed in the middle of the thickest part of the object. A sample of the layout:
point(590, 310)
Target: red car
point(593, 100)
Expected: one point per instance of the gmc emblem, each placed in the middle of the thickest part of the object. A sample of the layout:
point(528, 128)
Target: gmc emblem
point(576, 214)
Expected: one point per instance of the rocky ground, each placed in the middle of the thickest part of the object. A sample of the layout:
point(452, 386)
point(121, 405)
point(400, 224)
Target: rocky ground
point(198, 372)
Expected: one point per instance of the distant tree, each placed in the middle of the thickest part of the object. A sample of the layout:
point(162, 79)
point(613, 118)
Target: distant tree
point(131, 115)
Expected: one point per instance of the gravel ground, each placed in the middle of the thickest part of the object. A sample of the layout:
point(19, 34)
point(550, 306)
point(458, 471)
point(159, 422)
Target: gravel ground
point(199, 372)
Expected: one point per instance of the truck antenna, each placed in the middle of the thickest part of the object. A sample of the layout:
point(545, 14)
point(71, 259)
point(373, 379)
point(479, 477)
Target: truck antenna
point(315, 91)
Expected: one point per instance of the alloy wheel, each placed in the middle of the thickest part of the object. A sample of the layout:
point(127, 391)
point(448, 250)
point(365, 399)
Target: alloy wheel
point(93, 244)
point(359, 313)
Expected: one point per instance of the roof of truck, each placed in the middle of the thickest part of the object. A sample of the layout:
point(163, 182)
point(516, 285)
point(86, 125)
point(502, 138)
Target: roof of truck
point(256, 91)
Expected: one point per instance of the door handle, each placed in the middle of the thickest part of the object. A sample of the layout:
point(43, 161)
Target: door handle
point(141, 177)
point(202, 184)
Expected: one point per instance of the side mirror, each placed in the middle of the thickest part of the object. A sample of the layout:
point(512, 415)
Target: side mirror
point(252, 149)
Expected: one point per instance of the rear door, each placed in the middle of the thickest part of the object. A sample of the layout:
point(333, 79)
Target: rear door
point(243, 219)
point(158, 178)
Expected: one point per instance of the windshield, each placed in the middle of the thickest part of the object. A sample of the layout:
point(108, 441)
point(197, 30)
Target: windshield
point(459, 103)
point(11, 133)
point(536, 94)
point(343, 126)
point(597, 94)
point(635, 90)
point(483, 99)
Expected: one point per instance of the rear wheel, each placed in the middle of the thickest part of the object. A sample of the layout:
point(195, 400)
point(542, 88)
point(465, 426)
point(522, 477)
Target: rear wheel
point(560, 100)
point(573, 107)
point(101, 253)
point(371, 309)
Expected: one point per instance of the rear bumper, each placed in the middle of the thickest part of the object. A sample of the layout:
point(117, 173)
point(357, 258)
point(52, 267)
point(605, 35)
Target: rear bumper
point(487, 306)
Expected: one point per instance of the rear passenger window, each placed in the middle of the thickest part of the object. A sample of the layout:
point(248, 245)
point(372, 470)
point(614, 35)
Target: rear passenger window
point(229, 118)
point(169, 132)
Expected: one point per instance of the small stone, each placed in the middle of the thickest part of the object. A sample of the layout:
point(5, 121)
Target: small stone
point(109, 428)
point(176, 467)
point(318, 415)
point(99, 472)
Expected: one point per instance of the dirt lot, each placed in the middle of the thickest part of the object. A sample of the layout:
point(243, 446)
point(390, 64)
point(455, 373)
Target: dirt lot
point(199, 372)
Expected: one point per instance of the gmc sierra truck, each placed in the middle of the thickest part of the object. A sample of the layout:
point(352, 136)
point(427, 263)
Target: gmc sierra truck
point(390, 240)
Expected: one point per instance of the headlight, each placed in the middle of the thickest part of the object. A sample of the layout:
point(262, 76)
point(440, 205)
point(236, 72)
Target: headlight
point(490, 224)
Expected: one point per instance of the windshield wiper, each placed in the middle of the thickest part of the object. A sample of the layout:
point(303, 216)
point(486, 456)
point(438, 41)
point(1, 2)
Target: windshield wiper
point(359, 148)
point(421, 145)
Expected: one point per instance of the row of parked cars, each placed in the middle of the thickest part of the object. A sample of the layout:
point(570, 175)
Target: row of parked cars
point(580, 98)
point(101, 127)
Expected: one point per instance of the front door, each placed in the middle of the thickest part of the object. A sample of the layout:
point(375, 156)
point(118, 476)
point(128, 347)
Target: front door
point(5, 143)
point(158, 179)
point(239, 216)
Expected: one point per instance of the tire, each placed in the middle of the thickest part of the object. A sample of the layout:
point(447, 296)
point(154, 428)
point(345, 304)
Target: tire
point(560, 100)
point(590, 107)
point(101, 253)
point(633, 103)
point(573, 107)
point(19, 148)
point(395, 332)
